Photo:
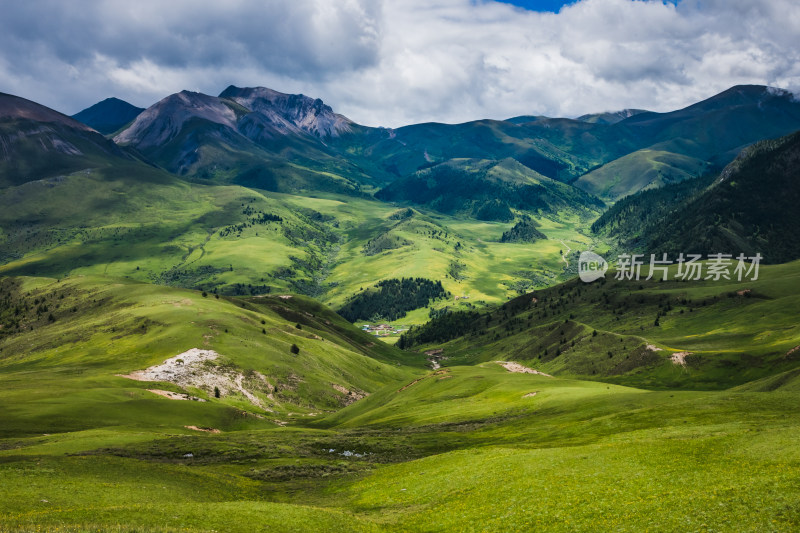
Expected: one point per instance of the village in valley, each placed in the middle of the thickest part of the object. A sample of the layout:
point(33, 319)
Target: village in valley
point(390, 333)
point(383, 330)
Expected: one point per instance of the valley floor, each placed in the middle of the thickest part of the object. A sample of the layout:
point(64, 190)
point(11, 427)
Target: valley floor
point(318, 426)
point(463, 448)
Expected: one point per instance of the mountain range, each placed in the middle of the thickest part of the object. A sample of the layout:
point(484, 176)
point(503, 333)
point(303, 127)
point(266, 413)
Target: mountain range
point(193, 186)
point(248, 312)
point(748, 208)
point(256, 137)
point(610, 155)
point(260, 137)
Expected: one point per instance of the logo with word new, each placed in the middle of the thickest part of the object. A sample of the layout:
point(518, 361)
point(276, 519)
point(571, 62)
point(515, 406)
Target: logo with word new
point(591, 267)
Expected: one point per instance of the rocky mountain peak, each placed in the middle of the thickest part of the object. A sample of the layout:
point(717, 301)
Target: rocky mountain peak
point(290, 112)
point(163, 120)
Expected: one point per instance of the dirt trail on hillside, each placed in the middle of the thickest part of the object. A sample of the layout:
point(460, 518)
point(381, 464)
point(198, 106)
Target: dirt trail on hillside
point(175, 395)
point(511, 366)
point(442, 373)
point(564, 256)
point(205, 430)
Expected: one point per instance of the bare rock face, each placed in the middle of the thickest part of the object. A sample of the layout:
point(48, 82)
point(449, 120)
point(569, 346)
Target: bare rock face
point(290, 113)
point(256, 114)
point(197, 368)
point(164, 120)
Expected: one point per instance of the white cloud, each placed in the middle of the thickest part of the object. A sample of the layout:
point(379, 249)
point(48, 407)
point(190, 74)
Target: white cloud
point(402, 61)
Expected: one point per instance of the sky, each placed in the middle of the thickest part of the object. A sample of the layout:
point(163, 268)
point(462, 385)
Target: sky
point(395, 62)
point(552, 6)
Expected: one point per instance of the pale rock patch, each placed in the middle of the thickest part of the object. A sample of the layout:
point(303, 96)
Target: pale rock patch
point(196, 368)
point(350, 396)
point(511, 366)
point(679, 358)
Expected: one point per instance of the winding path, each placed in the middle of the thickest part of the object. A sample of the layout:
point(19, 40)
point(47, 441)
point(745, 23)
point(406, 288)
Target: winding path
point(564, 256)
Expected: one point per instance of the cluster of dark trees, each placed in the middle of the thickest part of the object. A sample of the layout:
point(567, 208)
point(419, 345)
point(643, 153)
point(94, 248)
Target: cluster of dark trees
point(242, 289)
point(383, 242)
point(254, 217)
point(523, 231)
point(392, 299)
point(19, 312)
point(442, 329)
point(402, 214)
point(264, 218)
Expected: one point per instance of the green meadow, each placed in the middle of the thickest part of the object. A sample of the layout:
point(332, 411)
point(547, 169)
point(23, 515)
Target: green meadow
point(301, 422)
point(149, 226)
point(640, 170)
point(171, 357)
point(723, 333)
point(470, 446)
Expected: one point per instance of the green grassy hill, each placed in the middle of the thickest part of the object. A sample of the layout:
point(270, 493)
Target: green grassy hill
point(640, 171)
point(136, 222)
point(747, 208)
point(685, 143)
point(487, 190)
point(73, 339)
point(37, 143)
point(425, 453)
point(131, 221)
point(567, 455)
point(629, 332)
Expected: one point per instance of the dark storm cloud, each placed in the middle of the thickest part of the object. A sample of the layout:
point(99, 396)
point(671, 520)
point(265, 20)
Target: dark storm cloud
point(292, 38)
